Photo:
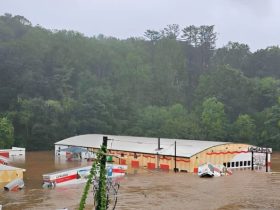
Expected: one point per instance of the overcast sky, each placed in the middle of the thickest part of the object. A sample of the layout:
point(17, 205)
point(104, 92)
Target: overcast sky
point(254, 22)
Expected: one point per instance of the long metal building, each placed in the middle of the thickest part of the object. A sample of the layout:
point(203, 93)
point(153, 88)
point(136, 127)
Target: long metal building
point(168, 154)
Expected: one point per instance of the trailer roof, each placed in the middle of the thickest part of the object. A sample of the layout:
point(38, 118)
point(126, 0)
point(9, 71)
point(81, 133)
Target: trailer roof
point(9, 168)
point(184, 148)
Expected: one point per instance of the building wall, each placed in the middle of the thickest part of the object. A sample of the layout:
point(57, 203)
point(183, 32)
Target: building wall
point(223, 154)
point(231, 155)
point(150, 161)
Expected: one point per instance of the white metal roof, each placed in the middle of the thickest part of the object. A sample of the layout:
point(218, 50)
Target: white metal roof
point(185, 148)
point(9, 168)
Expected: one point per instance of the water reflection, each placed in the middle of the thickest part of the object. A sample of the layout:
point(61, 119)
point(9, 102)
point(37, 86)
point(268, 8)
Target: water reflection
point(245, 189)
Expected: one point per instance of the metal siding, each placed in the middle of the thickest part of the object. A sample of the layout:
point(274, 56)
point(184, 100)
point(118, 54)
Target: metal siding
point(193, 152)
point(185, 148)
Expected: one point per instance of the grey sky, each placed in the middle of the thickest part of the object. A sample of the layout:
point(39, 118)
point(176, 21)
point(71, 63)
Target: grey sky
point(254, 22)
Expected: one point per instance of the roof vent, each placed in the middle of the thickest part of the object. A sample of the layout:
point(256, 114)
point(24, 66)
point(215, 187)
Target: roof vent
point(159, 148)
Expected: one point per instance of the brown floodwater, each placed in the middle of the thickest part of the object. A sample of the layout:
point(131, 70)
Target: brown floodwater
point(147, 190)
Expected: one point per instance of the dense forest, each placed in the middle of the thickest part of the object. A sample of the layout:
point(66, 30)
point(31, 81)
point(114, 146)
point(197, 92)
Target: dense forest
point(170, 83)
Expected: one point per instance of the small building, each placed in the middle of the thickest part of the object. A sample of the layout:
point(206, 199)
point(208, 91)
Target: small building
point(9, 173)
point(152, 153)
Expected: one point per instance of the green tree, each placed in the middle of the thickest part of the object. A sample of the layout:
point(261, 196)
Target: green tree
point(199, 47)
point(263, 63)
point(213, 119)
point(6, 133)
point(230, 87)
point(171, 31)
point(233, 54)
point(57, 83)
point(267, 92)
point(153, 35)
point(180, 124)
point(169, 78)
point(202, 36)
point(190, 35)
point(270, 129)
point(151, 120)
point(244, 129)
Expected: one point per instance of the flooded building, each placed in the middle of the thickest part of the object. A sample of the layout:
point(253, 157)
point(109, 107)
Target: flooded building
point(169, 154)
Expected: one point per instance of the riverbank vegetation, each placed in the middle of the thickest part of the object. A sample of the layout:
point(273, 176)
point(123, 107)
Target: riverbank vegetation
point(171, 83)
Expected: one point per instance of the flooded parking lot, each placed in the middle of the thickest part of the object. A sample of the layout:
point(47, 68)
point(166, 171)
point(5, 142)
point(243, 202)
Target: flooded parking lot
point(245, 189)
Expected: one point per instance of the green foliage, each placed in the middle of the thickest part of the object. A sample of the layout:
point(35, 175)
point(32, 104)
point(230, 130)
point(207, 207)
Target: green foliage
point(244, 128)
point(267, 92)
point(56, 84)
point(87, 186)
point(101, 194)
point(229, 86)
point(152, 35)
point(264, 63)
point(270, 133)
point(169, 122)
point(213, 119)
point(202, 36)
point(233, 54)
point(171, 31)
point(6, 133)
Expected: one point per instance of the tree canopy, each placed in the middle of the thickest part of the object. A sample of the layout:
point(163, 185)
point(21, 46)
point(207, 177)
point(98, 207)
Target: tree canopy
point(172, 83)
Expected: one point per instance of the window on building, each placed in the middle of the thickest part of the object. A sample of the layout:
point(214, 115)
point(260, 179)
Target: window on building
point(225, 164)
point(249, 163)
point(241, 163)
point(122, 155)
point(245, 163)
point(236, 164)
point(232, 164)
point(135, 155)
point(228, 164)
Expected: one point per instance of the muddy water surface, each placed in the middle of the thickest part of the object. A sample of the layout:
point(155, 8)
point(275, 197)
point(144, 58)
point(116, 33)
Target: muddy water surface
point(152, 190)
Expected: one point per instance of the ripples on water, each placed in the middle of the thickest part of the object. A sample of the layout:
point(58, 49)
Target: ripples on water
point(153, 190)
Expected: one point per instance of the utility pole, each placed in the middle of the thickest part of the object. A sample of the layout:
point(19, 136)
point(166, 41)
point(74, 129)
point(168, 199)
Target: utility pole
point(158, 160)
point(252, 162)
point(175, 169)
point(266, 160)
point(101, 193)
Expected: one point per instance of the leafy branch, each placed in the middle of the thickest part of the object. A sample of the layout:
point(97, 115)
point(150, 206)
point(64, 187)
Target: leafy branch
point(101, 194)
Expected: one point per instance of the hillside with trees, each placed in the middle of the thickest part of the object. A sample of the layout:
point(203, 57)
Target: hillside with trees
point(172, 83)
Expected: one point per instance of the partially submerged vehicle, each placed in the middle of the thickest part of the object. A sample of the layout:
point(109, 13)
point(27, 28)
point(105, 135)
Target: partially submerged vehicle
point(16, 154)
point(79, 175)
point(206, 170)
point(210, 170)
